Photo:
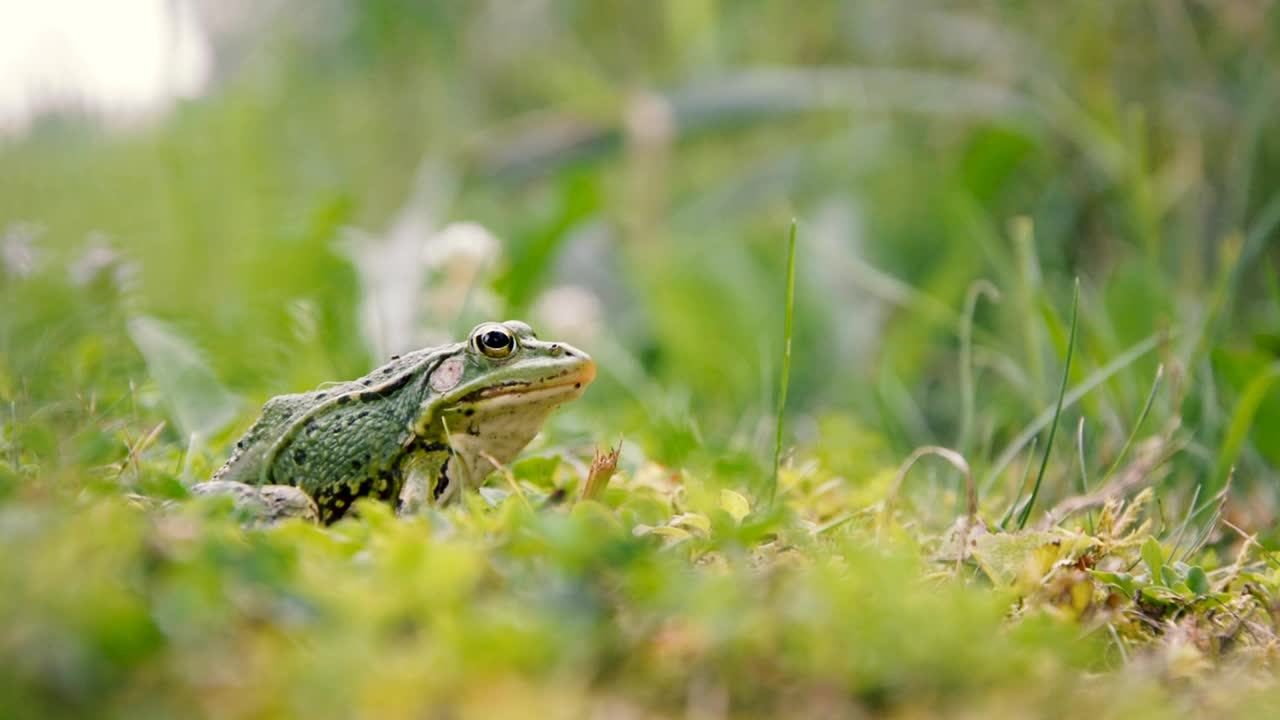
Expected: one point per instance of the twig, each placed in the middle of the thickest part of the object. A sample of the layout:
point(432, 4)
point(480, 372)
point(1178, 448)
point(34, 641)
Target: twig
point(603, 466)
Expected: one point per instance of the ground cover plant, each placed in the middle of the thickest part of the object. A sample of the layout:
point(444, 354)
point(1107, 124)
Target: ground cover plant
point(989, 431)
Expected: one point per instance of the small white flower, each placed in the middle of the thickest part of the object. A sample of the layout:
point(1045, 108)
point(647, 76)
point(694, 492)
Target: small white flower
point(17, 253)
point(460, 250)
point(101, 258)
point(391, 278)
point(459, 259)
point(649, 119)
point(571, 312)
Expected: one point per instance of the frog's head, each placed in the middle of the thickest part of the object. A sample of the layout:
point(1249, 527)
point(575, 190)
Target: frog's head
point(492, 393)
point(503, 369)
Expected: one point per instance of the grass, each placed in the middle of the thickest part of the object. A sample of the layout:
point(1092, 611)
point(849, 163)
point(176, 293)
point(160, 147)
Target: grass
point(636, 166)
point(786, 364)
point(1025, 513)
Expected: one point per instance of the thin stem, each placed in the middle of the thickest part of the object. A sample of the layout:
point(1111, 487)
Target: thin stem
point(1057, 413)
point(786, 362)
point(1022, 483)
point(1096, 378)
point(1133, 434)
point(976, 290)
point(1084, 471)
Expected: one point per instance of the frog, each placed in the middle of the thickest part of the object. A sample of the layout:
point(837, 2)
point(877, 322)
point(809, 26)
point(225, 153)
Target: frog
point(417, 431)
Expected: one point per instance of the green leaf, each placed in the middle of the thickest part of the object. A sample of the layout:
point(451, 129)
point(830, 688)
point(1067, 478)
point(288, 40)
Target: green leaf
point(1157, 595)
point(1198, 581)
point(493, 496)
point(1153, 556)
point(198, 403)
point(1122, 580)
point(539, 471)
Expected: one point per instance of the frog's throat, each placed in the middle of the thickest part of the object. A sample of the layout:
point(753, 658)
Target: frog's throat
point(501, 424)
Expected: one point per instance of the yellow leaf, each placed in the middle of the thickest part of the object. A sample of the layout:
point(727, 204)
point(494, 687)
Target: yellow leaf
point(671, 532)
point(1029, 554)
point(734, 504)
point(696, 521)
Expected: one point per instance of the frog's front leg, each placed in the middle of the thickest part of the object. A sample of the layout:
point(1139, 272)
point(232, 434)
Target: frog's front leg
point(268, 503)
point(425, 478)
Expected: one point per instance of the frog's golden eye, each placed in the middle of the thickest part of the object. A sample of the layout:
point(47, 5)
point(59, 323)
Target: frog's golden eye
point(494, 341)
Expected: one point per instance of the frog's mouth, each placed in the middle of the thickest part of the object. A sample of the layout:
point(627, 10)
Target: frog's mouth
point(569, 382)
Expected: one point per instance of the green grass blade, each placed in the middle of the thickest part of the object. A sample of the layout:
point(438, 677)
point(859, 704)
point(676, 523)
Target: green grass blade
point(1186, 521)
point(1133, 434)
point(977, 290)
point(786, 363)
point(1057, 413)
point(1242, 422)
point(1022, 484)
point(1022, 231)
point(1084, 470)
point(1096, 378)
point(1221, 500)
point(1273, 286)
point(15, 447)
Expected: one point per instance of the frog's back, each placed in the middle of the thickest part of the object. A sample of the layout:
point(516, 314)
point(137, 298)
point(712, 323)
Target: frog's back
point(351, 445)
point(342, 442)
point(246, 462)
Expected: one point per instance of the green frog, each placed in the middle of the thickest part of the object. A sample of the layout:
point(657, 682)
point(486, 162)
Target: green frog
point(417, 430)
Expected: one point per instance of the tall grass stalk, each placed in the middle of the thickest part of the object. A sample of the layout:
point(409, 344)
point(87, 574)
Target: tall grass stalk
point(1084, 470)
point(976, 290)
point(1133, 434)
point(786, 363)
point(1022, 483)
point(1057, 413)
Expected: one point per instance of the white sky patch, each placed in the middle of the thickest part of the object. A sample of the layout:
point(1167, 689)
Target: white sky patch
point(125, 61)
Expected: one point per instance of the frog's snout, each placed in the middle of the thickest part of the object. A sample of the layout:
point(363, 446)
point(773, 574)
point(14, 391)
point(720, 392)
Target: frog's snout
point(588, 369)
point(583, 367)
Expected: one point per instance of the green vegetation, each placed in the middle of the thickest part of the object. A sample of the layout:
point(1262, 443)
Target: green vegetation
point(1037, 242)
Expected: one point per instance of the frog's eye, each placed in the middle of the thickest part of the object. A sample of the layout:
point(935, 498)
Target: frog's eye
point(494, 341)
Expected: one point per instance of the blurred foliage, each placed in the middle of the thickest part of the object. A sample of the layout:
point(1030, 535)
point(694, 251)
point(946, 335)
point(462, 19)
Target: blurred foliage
point(159, 283)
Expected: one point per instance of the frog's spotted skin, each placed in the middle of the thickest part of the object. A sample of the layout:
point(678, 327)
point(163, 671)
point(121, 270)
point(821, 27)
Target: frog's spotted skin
point(417, 428)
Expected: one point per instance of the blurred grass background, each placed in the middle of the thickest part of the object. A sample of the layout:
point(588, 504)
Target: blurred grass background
point(640, 164)
point(654, 155)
